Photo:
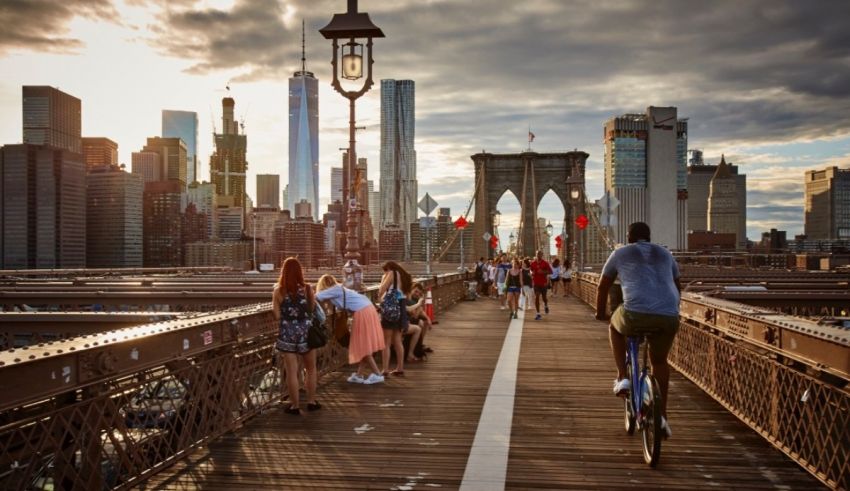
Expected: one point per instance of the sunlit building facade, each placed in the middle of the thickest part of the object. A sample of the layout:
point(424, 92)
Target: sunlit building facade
point(184, 125)
point(646, 170)
point(398, 155)
point(304, 141)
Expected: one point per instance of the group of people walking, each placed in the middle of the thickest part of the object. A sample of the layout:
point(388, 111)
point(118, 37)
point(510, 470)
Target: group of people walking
point(514, 281)
point(296, 306)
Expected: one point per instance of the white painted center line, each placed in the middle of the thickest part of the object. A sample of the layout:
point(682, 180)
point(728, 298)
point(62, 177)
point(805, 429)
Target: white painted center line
point(488, 460)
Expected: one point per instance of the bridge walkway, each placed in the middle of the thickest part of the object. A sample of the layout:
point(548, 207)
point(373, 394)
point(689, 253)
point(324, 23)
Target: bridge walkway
point(416, 432)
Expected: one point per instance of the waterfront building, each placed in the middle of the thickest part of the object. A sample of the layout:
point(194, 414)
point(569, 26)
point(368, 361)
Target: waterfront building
point(113, 218)
point(42, 207)
point(827, 204)
point(646, 170)
point(162, 219)
point(52, 117)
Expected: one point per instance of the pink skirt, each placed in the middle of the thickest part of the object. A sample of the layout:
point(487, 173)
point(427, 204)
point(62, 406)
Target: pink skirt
point(367, 336)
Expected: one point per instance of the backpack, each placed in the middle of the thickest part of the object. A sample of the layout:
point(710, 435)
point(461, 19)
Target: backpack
point(479, 271)
point(390, 304)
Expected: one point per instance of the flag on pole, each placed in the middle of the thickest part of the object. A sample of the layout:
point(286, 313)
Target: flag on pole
point(530, 137)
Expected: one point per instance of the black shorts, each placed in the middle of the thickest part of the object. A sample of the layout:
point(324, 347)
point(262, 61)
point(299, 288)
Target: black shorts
point(540, 289)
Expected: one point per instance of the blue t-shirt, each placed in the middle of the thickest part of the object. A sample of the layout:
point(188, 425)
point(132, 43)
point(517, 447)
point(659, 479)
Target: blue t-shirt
point(353, 301)
point(646, 273)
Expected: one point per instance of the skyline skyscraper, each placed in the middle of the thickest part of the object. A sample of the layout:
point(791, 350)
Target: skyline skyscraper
point(42, 207)
point(98, 151)
point(336, 182)
point(646, 170)
point(699, 182)
point(827, 203)
point(399, 189)
point(723, 210)
point(268, 191)
point(184, 125)
point(162, 220)
point(304, 137)
point(113, 218)
point(172, 154)
point(52, 117)
point(228, 163)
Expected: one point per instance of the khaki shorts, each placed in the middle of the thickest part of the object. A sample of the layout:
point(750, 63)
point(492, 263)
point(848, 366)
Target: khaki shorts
point(660, 330)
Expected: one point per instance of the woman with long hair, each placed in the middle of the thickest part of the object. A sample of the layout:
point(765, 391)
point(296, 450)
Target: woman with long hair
point(395, 287)
point(513, 283)
point(366, 334)
point(293, 306)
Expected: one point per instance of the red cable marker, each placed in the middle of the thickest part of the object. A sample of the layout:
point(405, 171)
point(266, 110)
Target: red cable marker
point(582, 221)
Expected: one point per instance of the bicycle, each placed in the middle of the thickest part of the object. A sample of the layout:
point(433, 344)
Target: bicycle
point(643, 402)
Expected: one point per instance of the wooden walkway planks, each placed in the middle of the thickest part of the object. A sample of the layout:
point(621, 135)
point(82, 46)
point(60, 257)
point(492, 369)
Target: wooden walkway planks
point(567, 428)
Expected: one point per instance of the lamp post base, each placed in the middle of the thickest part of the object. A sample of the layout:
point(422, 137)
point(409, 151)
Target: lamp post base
point(353, 275)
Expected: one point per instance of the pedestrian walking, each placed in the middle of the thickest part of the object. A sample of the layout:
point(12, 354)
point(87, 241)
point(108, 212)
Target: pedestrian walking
point(540, 271)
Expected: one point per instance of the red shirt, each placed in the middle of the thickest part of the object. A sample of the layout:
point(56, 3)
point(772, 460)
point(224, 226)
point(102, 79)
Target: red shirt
point(540, 271)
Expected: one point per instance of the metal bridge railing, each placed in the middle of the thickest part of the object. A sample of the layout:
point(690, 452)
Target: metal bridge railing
point(109, 410)
point(787, 378)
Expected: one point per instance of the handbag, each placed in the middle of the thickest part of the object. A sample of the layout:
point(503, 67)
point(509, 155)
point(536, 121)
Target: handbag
point(317, 334)
point(390, 305)
point(342, 331)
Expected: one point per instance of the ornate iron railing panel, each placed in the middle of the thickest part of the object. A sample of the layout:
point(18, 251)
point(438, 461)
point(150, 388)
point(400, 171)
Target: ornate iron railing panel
point(786, 378)
point(109, 410)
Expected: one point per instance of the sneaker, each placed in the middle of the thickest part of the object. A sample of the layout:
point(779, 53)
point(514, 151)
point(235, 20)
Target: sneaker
point(515, 315)
point(502, 307)
point(355, 378)
point(538, 317)
point(664, 426)
point(374, 379)
point(546, 309)
point(622, 387)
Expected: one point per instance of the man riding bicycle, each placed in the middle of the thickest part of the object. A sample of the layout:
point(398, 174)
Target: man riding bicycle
point(650, 280)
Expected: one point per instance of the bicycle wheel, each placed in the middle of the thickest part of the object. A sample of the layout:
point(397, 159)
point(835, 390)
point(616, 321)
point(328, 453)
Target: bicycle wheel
point(651, 421)
point(629, 419)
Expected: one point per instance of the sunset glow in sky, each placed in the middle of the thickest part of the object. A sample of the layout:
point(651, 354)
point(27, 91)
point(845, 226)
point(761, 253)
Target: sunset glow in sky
point(766, 83)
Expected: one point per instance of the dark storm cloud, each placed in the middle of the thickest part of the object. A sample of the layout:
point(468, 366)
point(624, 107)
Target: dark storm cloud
point(251, 36)
point(40, 25)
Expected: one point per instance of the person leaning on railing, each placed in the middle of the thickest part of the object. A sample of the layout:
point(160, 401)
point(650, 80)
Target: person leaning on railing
point(367, 337)
point(294, 306)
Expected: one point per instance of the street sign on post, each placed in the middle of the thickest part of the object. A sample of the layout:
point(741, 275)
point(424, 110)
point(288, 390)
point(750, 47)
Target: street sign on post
point(427, 222)
point(486, 236)
point(427, 204)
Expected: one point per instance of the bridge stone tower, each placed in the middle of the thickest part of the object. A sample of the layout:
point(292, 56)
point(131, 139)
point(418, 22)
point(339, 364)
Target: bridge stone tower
point(529, 176)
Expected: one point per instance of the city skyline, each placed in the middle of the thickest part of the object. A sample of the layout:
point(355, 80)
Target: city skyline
point(777, 116)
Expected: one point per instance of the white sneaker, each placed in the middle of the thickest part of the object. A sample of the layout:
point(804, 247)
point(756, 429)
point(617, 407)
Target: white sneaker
point(664, 426)
point(622, 386)
point(502, 307)
point(355, 378)
point(374, 379)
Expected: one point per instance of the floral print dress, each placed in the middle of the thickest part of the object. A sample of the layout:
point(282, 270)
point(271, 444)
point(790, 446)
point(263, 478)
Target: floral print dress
point(295, 321)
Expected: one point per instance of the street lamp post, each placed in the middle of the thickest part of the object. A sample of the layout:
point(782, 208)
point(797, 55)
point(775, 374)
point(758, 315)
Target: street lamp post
point(575, 198)
point(548, 237)
point(254, 219)
point(351, 27)
point(497, 218)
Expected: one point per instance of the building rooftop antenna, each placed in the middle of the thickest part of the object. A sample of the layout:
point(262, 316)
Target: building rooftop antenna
point(303, 50)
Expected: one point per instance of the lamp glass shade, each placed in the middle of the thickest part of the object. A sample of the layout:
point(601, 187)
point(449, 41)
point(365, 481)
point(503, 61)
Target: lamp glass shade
point(496, 218)
point(352, 66)
point(574, 194)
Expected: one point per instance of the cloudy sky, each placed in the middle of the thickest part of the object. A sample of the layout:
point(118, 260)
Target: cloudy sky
point(765, 82)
